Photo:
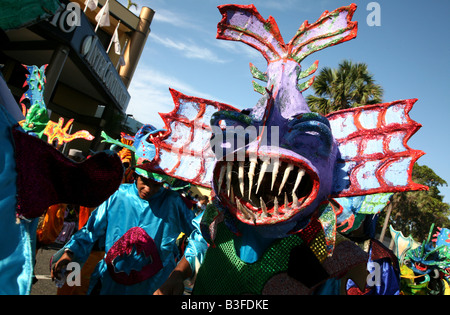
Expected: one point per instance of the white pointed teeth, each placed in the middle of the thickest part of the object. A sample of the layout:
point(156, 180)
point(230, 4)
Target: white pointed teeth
point(263, 207)
point(300, 174)
point(286, 202)
point(262, 172)
point(246, 212)
point(258, 197)
point(251, 174)
point(229, 169)
point(287, 171)
point(221, 176)
point(276, 166)
point(241, 177)
point(275, 206)
point(241, 210)
point(294, 200)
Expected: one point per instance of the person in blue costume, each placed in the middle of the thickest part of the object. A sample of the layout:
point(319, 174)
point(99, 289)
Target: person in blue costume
point(137, 226)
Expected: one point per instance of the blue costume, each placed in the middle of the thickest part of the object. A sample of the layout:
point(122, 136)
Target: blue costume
point(138, 237)
point(31, 175)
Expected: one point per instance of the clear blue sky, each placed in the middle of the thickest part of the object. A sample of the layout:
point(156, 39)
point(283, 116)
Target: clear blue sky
point(408, 54)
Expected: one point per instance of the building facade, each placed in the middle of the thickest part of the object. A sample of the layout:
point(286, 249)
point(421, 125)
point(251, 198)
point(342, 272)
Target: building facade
point(86, 78)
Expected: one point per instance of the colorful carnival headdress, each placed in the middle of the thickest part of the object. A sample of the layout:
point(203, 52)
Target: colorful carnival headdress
point(140, 149)
point(348, 153)
point(425, 268)
point(431, 254)
point(36, 193)
point(36, 120)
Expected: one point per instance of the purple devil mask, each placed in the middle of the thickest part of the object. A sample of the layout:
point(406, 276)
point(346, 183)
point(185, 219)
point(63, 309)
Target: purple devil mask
point(273, 165)
point(285, 170)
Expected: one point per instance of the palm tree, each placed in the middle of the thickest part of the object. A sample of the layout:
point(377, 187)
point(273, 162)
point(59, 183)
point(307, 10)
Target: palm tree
point(350, 85)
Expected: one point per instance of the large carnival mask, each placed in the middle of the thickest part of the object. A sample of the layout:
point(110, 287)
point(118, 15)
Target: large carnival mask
point(274, 164)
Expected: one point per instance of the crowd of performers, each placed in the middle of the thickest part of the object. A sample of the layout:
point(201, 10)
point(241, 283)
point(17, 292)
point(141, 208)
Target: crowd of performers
point(174, 221)
point(421, 268)
point(304, 227)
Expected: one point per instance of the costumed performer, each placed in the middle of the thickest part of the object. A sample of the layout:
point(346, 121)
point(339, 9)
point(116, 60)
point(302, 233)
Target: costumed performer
point(137, 227)
point(279, 222)
point(97, 254)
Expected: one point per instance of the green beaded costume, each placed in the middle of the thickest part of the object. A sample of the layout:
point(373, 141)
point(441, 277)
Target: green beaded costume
point(235, 275)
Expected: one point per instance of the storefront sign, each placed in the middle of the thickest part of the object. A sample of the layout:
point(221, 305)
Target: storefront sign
point(95, 55)
point(72, 27)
